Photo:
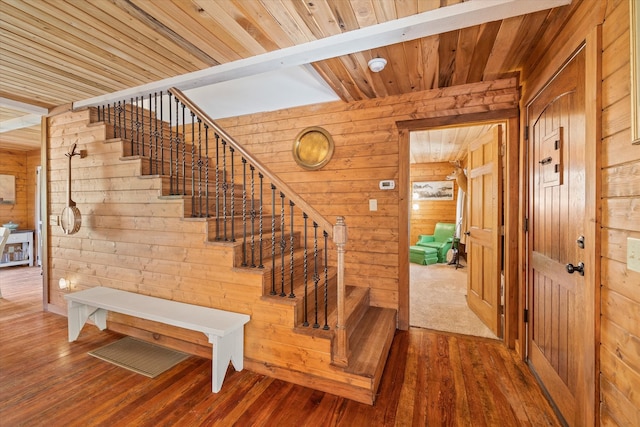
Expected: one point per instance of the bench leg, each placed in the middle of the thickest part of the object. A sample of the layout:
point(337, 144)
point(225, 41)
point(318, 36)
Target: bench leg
point(77, 315)
point(225, 349)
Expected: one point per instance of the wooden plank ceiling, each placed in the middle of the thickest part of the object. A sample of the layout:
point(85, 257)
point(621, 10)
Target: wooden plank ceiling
point(55, 52)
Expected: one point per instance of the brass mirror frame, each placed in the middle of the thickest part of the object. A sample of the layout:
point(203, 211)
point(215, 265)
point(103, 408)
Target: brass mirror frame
point(313, 148)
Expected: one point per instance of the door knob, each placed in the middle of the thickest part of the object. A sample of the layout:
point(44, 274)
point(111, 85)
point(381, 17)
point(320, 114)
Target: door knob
point(573, 268)
point(467, 233)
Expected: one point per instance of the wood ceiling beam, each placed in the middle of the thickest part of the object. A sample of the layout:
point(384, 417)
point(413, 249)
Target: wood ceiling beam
point(20, 122)
point(23, 106)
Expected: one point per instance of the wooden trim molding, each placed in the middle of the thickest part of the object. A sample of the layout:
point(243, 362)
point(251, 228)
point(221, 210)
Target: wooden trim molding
point(589, 392)
point(634, 31)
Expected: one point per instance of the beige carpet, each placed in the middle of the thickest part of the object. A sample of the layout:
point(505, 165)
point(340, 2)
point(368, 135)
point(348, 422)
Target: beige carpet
point(139, 356)
point(438, 301)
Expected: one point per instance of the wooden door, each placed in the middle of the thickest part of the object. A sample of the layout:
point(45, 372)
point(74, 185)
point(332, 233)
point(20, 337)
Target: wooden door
point(484, 249)
point(556, 221)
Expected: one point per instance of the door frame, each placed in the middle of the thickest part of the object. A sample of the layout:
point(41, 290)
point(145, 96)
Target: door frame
point(510, 207)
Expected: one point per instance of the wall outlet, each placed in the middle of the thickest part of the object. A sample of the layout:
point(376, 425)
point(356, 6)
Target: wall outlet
point(633, 254)
point(373, 205)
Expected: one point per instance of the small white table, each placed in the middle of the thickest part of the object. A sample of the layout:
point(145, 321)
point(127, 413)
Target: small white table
point(224, 329)
point(25, 238)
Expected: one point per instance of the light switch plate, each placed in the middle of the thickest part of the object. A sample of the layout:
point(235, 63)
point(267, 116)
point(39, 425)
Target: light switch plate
point(54, 220)
point(373, 205)
point(633, 254)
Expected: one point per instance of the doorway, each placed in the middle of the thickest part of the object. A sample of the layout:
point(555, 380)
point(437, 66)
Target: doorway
point(441, 298)
point(508, 152)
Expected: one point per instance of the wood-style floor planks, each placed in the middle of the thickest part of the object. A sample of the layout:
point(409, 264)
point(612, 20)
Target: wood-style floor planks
point(431, 378)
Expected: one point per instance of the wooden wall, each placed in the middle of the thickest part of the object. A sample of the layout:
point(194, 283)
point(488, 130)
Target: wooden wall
point(604, 27)
point(367, 151)
point(424, 219)
point(620, 180)
point(22, 165)
point(132, 240)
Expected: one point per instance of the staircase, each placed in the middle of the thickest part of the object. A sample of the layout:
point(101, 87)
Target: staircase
point(308, 326)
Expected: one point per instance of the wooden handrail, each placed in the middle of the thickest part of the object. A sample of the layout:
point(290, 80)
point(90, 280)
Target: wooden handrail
point(322, 222)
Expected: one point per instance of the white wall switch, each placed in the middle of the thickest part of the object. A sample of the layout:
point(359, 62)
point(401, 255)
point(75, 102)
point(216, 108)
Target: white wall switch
point(633, 254)
point(373, 205)
point(54, 220)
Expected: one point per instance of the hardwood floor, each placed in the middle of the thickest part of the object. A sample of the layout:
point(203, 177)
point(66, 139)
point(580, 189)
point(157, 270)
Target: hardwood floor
point(433, 379)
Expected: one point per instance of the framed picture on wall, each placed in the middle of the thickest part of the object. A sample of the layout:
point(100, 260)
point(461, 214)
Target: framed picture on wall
point(7, 189)
point(433, 190)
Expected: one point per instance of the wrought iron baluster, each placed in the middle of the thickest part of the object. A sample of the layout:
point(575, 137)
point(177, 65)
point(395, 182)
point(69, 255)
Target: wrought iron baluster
point(273, 239)
point(283, 245)
point(161, 135)
point(141, 149)
point(217, 186)
point(154, 155)
point(316, 275)
point(224, 188)
point(131, 122)
point(177, 143)
point(119, 120)
point(116, 132)
point(232, 194)
point(206, 168)
point(261, 177)
point(291, 232)
point(171, 137)
point(305, 274)
point(244, 212)
point(326, 281)
point(137, 144)
point(122, 115)
point(184, 152)
point(253, 216)
point(193, 165)
point(199, 214)
point(150, 134)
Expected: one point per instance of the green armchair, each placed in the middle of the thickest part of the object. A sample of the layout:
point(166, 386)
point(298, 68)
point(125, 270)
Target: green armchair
point(441, 239)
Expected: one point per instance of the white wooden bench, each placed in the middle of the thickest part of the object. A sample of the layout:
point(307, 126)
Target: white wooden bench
point(224, 329)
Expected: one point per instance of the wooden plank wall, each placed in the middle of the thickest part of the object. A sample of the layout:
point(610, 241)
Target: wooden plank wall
point(22, 165)
point(620, 292)
point(366, 152)
point(428, 213)
point(131, 239)
point(618, 297)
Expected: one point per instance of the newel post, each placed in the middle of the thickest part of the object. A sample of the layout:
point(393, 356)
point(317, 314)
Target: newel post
point(341, 354)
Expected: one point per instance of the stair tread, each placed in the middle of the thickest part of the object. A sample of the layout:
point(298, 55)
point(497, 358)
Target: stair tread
point(371, 341)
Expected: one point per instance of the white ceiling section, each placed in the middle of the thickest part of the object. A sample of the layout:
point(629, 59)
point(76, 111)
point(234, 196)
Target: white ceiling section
point(276, 90)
